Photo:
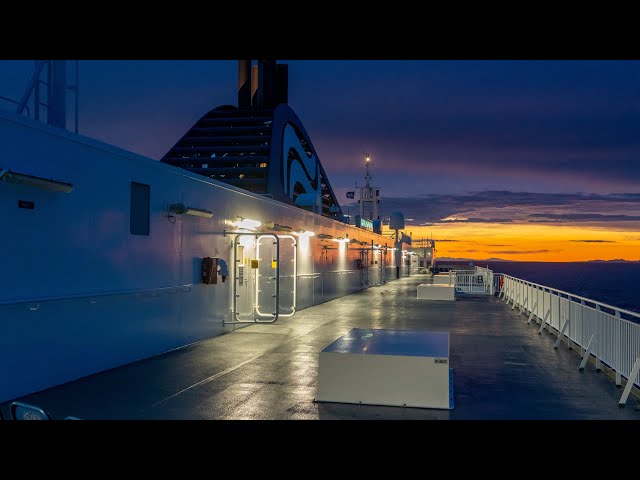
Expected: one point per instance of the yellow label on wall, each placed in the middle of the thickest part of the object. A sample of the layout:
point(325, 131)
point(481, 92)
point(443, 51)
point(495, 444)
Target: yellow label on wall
point(254, 263)
point(274, 264)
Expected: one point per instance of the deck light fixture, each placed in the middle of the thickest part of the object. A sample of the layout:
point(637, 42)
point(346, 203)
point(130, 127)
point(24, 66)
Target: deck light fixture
point(247, 223)
point(304, 233)
point(180, 209)
point(33, 181)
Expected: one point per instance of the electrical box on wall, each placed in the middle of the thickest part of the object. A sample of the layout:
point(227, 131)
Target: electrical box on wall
point(210, 270)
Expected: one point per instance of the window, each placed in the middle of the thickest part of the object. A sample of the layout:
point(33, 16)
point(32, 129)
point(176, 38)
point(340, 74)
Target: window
point(140, 206)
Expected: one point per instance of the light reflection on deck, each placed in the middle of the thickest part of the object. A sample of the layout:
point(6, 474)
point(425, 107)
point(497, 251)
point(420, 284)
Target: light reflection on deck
point(503, 369)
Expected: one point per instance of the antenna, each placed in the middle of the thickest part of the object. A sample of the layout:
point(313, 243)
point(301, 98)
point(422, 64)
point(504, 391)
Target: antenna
point(368, 162)
point(57, 86)
point(369, 194)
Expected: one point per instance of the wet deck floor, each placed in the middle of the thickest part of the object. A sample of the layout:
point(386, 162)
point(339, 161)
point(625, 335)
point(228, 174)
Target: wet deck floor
point(503, 369)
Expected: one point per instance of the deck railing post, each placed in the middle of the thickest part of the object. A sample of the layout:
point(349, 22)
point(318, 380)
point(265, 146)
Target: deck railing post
point(582, 325)
point(569, 340)
point(629, 385)
point(537, 317)
point(587, 354)
point(559, 313)
point(525, 303)
point(544, 320)
point(521, 298)
point(561, 334)
point(618, 357)
point(568, 319)
point(535, 307)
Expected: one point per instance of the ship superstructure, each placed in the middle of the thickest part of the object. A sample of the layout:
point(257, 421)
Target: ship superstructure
point(115, 257)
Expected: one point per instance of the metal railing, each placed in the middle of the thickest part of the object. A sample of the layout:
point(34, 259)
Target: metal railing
point(16, 102)
point(476, 281)
point(34, 304)
point(609, 334)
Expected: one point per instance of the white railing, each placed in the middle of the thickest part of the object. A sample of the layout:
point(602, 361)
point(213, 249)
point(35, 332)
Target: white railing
point(610, 334)
point(478, 281)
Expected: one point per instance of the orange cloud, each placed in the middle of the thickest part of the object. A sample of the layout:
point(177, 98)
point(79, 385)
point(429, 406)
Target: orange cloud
point(531, 242)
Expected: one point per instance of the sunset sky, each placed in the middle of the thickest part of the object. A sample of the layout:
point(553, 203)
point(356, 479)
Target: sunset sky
point(519, 160)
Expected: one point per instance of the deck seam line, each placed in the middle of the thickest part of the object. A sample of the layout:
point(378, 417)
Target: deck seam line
point(235, 367)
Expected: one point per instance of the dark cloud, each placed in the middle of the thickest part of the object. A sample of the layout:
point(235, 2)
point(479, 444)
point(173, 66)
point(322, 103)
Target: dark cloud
point(502, 206)
point(529, 125)
point(515, 252)
point(499, 245)
point(594, 241)
point(577, 118)
point(632, 197)
point(546, 221)
point(446, 240)
point(585, 217)
point(477, 220)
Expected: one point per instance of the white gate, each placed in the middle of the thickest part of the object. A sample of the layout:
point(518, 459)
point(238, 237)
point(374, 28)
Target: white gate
point(478, 281)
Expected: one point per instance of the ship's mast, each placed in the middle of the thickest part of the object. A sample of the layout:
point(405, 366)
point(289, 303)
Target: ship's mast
point(56, 99)
point(369, 194)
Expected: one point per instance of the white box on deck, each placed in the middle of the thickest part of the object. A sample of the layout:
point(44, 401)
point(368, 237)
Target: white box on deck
point(436, 292)
point(387, 367)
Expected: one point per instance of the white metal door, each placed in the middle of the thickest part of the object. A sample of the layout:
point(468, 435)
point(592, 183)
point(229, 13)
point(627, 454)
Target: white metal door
point(256, 278)
point(266, 255)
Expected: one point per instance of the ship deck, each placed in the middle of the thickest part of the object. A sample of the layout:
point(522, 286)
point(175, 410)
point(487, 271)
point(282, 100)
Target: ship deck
point(502, 368)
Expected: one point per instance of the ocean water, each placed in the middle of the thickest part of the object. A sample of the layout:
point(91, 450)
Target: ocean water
point(617, 284)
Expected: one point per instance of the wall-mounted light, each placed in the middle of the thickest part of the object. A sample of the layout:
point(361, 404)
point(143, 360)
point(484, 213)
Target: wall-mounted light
point(324, 236)
point(271, 225)
point(180, 209)
point(33, 181)
point(303, 233)
point(246, 223)
point(341, 240)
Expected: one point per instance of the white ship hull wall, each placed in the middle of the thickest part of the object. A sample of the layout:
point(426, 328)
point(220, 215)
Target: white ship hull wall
point(79, 294)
